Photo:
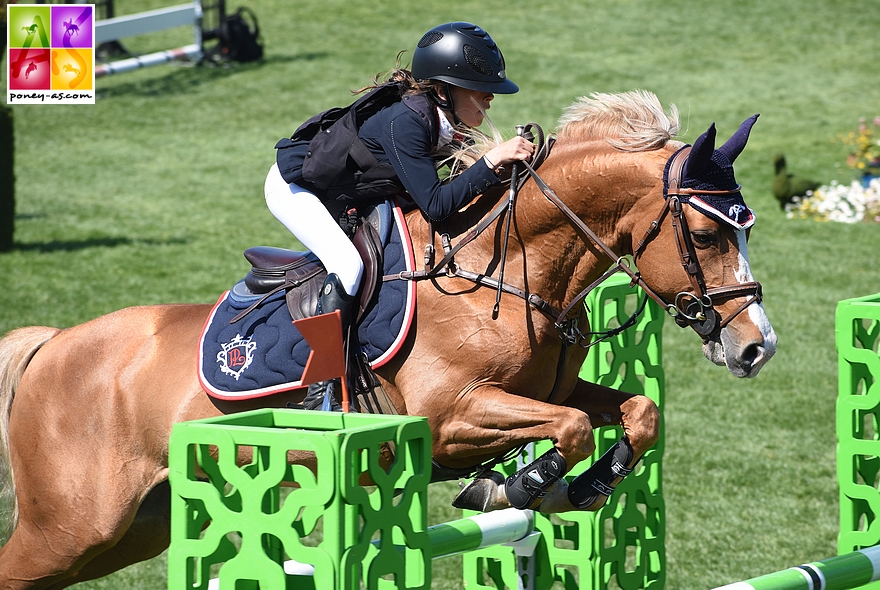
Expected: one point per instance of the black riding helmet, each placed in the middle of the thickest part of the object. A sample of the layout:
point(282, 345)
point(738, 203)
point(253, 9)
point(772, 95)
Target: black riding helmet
point(462, 54)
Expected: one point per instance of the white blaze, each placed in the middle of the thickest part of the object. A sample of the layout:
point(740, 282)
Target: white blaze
point(743, 274)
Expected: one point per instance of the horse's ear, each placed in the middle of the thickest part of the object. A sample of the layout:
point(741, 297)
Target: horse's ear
point(737, 141)
point(701, 154)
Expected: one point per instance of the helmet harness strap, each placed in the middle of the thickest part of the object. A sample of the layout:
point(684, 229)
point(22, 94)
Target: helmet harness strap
point(445, 104)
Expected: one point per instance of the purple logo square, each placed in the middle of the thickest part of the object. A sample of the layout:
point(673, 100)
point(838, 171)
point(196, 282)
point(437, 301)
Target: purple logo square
point(72, 25)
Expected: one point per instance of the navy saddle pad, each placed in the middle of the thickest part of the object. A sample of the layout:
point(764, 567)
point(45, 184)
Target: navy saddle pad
point(264, 353)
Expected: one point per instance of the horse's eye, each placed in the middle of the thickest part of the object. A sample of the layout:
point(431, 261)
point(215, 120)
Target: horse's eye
point(704, 239)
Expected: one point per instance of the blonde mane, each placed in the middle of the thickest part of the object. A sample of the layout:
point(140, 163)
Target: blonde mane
point(630, 121)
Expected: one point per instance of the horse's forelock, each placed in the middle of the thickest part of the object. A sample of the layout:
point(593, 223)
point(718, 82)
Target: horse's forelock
point(629, 121)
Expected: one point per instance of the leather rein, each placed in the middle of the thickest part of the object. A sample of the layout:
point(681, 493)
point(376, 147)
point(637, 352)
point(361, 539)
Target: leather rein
point(695, 308)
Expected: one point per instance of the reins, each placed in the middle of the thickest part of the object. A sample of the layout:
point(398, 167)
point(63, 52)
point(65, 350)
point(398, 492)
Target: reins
point(511, 203)
point(694, 308)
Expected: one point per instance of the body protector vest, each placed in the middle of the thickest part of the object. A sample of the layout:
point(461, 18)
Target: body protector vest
point(336, 161)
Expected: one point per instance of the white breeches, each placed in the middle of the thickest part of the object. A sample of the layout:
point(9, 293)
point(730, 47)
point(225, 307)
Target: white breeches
point(308, 220)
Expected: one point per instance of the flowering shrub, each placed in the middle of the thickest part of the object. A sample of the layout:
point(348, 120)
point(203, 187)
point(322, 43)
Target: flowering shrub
point(839, 202)
point(865, 156)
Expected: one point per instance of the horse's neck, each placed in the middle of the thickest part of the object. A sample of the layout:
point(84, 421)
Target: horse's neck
point(601, 187)
point(547, 255)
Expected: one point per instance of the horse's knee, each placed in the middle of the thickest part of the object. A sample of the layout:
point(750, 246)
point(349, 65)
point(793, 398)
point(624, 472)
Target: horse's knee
point(641, 422)
point(574, 438)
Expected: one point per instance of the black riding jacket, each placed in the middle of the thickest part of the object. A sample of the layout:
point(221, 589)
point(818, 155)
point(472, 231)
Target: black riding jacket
point(405, 135)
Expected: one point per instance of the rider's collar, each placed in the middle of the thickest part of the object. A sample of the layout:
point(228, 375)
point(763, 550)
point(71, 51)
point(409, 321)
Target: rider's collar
point(447, 131)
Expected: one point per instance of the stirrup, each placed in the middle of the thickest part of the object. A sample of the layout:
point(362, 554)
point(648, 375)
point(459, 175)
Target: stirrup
point(532, 481)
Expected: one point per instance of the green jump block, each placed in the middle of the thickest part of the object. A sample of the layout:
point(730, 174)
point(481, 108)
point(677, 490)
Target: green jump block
point(857, 334)
point(241, 510)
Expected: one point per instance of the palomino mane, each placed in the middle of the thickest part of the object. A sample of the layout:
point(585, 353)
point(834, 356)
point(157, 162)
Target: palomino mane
point(630, 121)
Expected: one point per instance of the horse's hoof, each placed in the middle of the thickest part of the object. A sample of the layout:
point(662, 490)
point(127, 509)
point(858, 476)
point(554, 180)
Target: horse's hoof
point(481, 494)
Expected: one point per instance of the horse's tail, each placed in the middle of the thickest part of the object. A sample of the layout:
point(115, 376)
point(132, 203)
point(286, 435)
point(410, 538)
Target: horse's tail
point(16, 350)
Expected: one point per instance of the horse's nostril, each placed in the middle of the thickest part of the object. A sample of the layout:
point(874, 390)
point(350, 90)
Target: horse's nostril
point(752, 354)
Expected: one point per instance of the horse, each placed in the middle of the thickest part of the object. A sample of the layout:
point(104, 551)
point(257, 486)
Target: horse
point(87, 411)
point(70, 28)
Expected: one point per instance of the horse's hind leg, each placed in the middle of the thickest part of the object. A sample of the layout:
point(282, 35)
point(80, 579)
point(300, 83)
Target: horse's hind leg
point(73, 533)
point(147, 537)
point(75, 500)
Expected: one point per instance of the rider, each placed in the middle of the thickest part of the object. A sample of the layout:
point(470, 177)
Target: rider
point(456, 71)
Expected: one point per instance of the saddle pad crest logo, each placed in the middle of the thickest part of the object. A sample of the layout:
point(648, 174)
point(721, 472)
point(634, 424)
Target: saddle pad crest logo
point(236, 355)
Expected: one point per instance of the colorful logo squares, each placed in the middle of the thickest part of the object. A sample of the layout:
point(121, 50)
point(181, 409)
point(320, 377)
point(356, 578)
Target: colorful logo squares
point(51, 53)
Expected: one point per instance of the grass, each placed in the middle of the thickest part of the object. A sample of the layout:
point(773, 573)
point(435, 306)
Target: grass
point(151, 195)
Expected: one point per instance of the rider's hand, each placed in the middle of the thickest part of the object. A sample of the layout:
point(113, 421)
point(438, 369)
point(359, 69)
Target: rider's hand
point(517, 148)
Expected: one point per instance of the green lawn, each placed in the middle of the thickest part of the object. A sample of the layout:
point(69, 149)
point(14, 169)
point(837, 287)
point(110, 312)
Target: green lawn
point(151, 195)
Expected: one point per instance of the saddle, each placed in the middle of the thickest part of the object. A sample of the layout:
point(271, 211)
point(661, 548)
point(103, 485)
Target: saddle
point(301, 274)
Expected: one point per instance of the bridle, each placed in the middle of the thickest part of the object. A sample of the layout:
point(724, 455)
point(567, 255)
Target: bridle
point(695, 308)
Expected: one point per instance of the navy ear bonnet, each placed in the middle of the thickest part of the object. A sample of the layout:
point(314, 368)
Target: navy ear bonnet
point(708, 169)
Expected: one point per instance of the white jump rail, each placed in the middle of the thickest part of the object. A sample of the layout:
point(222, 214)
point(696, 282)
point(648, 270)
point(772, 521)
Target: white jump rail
point(142, 23)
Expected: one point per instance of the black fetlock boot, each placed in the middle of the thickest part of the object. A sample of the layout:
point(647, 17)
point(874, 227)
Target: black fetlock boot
point(324, 394)
point(592, 488)
point(532, 481)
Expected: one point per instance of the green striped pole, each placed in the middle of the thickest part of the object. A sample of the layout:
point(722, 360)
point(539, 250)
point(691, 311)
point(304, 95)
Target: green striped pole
point(852, 570)
point(480, 530)
point(458, 536)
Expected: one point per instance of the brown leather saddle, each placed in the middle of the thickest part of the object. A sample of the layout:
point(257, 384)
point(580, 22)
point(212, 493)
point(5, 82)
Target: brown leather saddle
point(301, 274)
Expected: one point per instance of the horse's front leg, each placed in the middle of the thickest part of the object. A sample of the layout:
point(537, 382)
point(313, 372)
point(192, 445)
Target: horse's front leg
point(640, 419)
point(484, 421)
point(637, 414)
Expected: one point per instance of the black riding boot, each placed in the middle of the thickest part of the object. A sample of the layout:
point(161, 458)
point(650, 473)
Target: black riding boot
point(324, 395)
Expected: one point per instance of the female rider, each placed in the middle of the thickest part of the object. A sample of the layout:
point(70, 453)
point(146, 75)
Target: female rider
point(456, 71)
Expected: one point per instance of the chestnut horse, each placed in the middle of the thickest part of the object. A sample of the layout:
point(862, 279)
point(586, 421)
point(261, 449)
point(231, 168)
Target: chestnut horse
point(87, 411)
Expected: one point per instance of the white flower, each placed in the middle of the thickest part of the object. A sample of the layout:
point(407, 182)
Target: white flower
point(837, 202)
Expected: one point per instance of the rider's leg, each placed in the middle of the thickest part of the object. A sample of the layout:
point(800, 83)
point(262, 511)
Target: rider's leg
point(306, 217)
point(311, 223)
